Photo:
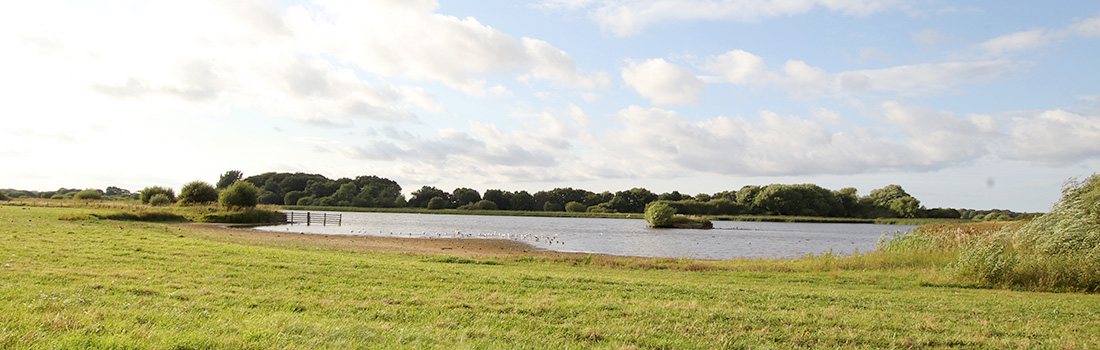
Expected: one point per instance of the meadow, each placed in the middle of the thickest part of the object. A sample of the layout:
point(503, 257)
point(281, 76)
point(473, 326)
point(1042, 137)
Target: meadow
point(71, 279)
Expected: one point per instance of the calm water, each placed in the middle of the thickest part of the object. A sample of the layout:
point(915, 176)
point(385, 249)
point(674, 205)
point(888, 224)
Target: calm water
point(728, 239)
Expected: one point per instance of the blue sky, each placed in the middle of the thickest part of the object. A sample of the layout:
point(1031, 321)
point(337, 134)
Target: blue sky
point(985, 104)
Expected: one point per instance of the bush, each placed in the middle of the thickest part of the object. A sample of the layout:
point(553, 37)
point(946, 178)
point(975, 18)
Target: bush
point(148, 193)
point(292, 197)
point(437, 203)
point(242, 194)
point(575, 207)
point(1056, 251)
point(88, 195)
point(483, 204)
point(197, 192)
point(159, 200)
point(659, 214)
point(4, 197)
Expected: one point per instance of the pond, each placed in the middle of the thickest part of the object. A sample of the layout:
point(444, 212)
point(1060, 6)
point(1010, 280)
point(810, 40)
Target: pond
point(627, 237)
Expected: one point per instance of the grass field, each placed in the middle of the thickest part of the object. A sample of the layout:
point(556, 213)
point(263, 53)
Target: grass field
point(89, 283)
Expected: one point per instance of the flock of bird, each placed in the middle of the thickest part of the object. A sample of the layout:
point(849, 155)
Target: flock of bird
point(549, 240)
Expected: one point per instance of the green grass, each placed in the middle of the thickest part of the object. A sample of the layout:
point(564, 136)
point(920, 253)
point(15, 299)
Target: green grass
point(136, 285)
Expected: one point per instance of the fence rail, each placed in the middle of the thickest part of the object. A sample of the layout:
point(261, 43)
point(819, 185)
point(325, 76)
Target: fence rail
point(309, 218)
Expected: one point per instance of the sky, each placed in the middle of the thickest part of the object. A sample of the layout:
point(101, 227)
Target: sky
point(976, 104)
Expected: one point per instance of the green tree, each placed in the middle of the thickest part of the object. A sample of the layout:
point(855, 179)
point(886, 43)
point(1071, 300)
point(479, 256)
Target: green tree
point(632, 201)
point(229, 178)
point(500, 197)
point(4, 197)
point(115, 191)
point(437, 203)
point(464, 196)
point(89, 195)
point(240, 194)
point(522, 201)
point(149, 192)
point(575, 207)
point(196, 192)
point(292, 197)
point(659, 214)
point(421, 197)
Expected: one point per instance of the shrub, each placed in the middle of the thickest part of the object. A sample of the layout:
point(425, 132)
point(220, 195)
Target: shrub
point(483, 204)
point(575, 207)
point(57, 196)
point(159, 200)
point(437, 203)
point(305, 201)
point(659, 214)
point(88, 195)
point(149, 192)
point(4, 197)
point(241, 194)
point(292, 197)
point(1056, 251)
point(196, 192)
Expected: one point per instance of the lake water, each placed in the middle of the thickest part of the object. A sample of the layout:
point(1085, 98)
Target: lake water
point(628, 237)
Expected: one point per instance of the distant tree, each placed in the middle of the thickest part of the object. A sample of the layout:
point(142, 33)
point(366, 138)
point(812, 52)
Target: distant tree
point(89, 195)
point(500, 197)
point(703, 197)
point(229, 178)
point(483, 204)
point(576, 207)
point(437, 203)
point(905, 207)
point(596, 198)
point(196, 192)
point(4, 197)
point(522, 201)
point(552, 206)
point(115, 191)
point(746, 196)
point(292, 197)
point(421, 197)
point(346, 193)
point(149, 192)
point(268, 197)
point(632, 201)
point(239, 194)
point(670, 196)
point(849, 201)
point(464, 196)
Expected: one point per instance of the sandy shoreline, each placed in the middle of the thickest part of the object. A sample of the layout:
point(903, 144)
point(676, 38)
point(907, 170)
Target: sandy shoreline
point(457, 246)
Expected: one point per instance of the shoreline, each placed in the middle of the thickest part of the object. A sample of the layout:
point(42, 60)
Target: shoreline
point(454, 246)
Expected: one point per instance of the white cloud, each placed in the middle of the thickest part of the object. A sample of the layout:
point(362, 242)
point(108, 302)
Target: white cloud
point(1054, 137)
point(914, 139)
point(911, 80)
point(626, 18)
point(735, 66)
point(1016, 42)
point(1087, 28)
point(663, 83)
point(409, 39)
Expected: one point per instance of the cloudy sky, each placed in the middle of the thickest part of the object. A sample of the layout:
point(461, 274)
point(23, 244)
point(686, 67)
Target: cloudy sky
point(979, 104)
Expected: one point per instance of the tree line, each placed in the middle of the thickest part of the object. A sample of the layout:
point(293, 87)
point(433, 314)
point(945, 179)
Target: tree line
point(303, 189)
point(369, 191)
